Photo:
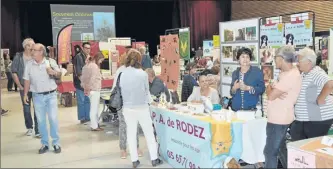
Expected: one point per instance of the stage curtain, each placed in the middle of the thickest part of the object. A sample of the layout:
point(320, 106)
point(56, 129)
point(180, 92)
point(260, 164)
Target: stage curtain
point(10, 27)
point(203, 18)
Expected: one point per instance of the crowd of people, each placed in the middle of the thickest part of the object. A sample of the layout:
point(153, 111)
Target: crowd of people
point(300, 98)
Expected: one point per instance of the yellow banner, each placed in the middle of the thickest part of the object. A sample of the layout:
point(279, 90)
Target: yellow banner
point(216, 41)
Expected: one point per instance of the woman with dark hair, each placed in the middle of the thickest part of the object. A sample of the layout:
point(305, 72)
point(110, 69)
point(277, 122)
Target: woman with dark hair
point(247, 83)
point(246, 87)
point(136, 101)
point(290, 39)
point(263, 41)
point(91, 81)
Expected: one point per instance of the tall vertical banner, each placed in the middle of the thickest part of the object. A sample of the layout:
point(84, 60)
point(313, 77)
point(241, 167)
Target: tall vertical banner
point(184, 43)
point(170, 60)
point(64, 44)
point(216, 41)
point(299, 33)
point(207, 48)
point(271, 35)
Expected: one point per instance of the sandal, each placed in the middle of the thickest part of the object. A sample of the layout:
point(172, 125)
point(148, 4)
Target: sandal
point(123, 155)
point(140, 153)
point(97, 129)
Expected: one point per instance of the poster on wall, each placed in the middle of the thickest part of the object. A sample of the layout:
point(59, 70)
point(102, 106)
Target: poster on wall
point(299, 33)
point(170, 61)
point(229, 52)
point(207, 47)
point(271, 35)
point(267, 56)
point(227, 70)
point(64, 44)
point(184, 43)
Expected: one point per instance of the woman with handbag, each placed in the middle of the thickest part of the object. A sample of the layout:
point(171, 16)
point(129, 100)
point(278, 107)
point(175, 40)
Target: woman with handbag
point(136, 98)
point(122, 123)
point(91, 81)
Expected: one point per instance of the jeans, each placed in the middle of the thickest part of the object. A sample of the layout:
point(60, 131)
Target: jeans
point(276, 134)
point(27, 113)
point(94, 97)
point(83, 105)
point(142, 116)
point(47, 104)
point(10, 82)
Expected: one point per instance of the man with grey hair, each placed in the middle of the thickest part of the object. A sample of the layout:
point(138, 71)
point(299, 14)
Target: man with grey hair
point(39, 78)
point(282, 96)
point(156, 85)
point(314, 106)
point(18, 66)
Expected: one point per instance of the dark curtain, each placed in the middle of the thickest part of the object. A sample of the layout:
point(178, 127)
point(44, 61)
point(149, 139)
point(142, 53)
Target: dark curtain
point(11, 36)
point(203, 18)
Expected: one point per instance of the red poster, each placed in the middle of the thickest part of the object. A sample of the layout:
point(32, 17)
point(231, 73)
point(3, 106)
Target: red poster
point(64, 44)
point(94, 45)
point(170, 60)
point(137, 45)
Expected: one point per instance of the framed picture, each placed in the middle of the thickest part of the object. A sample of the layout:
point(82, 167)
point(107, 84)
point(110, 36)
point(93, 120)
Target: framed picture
point(227, 70)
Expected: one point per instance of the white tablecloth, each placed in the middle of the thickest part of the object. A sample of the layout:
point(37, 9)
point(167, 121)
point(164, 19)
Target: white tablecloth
point(254, 140)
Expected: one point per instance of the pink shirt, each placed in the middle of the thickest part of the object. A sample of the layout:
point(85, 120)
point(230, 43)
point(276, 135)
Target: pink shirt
point(281, 111)
point(91, 77)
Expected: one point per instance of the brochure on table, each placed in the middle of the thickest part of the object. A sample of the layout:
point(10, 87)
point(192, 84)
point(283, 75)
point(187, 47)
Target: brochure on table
point(233, 36)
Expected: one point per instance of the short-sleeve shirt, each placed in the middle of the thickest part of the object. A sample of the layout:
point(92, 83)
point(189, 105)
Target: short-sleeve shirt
point(40, 80)
point(281, 111)
point(306, 108)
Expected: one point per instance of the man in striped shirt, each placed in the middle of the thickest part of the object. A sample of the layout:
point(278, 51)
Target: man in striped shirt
point(314, 106)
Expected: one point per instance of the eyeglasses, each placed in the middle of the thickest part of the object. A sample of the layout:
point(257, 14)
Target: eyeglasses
point(86, 48)
point(33, 50)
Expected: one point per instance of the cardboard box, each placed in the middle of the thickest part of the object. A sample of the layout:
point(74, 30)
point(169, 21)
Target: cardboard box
point(308, 156)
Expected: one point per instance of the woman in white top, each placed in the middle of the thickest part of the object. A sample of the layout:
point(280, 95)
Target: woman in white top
point(204, 90)
point(136, 99)
point(122, 123)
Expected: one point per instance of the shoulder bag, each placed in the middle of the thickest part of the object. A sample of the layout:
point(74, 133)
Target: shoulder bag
point(116, 99)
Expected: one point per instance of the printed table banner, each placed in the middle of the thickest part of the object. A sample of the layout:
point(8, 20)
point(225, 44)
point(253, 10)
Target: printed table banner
point(188, 142)
point(216, 41)
point(64, 44)
point(271, 35)
point(299, 33)
point(207, 48)
point(184, 43)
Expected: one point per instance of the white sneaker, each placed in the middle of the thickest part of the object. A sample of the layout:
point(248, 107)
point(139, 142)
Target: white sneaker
point(29, 132)
point(38, 135)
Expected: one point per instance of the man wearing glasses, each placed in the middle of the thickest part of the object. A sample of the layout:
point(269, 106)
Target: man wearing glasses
point(18, 66)
point(83, 102)
point(39, 78)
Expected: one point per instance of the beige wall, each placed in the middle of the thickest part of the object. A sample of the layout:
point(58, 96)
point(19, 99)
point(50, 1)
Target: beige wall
point(323, 9)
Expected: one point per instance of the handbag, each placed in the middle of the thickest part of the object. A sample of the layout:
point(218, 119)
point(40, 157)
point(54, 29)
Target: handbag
point(116, 99)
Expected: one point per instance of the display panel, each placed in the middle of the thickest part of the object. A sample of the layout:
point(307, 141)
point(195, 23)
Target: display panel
point(90, 22)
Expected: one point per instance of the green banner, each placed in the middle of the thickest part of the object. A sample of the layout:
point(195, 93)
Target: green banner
point(184, 44)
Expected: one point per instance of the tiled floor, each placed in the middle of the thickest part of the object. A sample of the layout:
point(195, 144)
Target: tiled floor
point(81, 148)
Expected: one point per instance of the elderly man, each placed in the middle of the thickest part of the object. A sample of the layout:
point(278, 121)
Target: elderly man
point(314, 106)
point(39, 78)
point(83, 102)
point(18, 66)
point(282, 96)
point(156, 85)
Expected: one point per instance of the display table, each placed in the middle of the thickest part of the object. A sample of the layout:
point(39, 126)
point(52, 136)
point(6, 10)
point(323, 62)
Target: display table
point(65, 87)
point(310, 153)
point(187, 141)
